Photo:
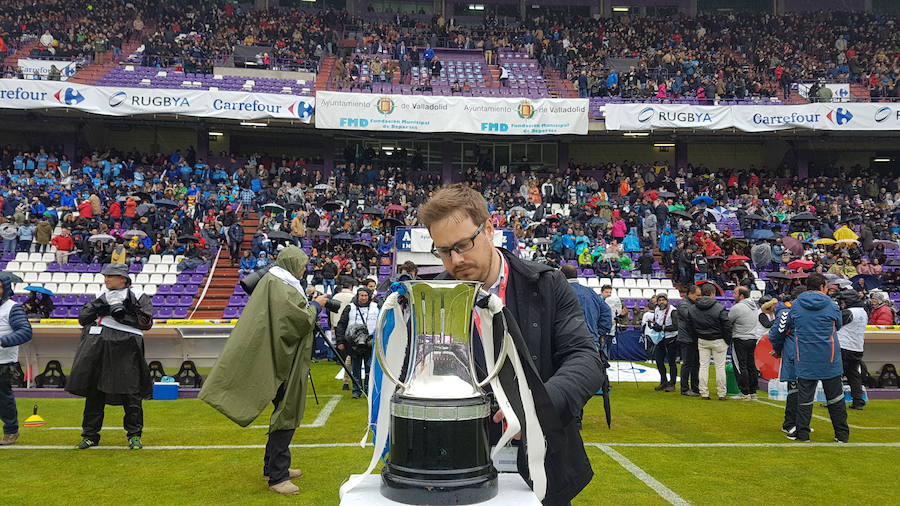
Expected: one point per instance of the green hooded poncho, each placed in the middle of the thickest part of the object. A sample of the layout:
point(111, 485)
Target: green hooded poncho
point(270, 346)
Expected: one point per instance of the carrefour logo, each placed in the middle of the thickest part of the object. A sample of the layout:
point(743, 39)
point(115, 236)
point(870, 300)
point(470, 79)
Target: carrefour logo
point(385, 105)
point(301, 109)
point(69, 96)
point(839, 116)
point(645, 115)
point(882, 114)
point(117, 98)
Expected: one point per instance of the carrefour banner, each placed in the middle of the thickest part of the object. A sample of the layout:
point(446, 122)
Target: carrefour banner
point(474, 115)
point(418, 240)
point(40, 69)
point(112, 101)
point(750, 118)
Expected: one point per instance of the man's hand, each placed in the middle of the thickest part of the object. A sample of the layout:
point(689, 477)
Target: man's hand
point(321, 300)
point(499, 417)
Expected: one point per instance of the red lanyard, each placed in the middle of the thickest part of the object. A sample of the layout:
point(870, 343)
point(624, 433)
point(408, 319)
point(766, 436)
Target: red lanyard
point(504, 280)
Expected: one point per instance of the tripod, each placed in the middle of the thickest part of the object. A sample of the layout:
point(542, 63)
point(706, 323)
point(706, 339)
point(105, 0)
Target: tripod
point(321, 333)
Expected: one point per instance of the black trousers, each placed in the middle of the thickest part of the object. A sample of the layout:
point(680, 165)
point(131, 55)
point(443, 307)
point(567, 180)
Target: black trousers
point(92, 420)
point(666, 351)
point(834, 400)
point(690, 367)
point(853, 371)
point(747, 374)
point(8, 413)
point(790, 407)
point(277, 459)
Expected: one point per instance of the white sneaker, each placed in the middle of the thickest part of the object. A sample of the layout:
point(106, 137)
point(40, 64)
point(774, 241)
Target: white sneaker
point(754, 397)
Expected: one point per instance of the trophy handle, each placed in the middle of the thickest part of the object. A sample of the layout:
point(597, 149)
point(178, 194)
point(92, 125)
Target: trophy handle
point(379, 354)
point(504, 351)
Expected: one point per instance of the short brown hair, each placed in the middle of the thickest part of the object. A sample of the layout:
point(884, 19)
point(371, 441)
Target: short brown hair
point(455, 199)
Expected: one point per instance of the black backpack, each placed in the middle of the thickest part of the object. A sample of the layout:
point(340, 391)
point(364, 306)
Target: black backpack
point(156, 371)
point(888, 377)
point(52, 377)
point(188, 376)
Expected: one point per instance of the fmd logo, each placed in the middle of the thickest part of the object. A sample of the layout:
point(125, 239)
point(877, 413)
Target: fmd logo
point(882, 114)
point(354, 122)
point(117, 98)
point(301, 109)
point(839, 116)
point(494, 127)
point(69, 96)
point(645, 115)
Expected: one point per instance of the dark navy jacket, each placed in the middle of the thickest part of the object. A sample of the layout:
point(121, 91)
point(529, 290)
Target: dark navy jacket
point(806, 336)
point(597, 314)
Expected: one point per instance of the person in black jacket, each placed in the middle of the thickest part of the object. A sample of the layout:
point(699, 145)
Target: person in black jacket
point(690, 356)
point(708, 321)
point(559, 345)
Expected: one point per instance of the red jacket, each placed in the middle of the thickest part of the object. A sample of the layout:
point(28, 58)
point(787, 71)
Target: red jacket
point(63, 242)
point(85, 209)
point(115, 210)
point(882, 315)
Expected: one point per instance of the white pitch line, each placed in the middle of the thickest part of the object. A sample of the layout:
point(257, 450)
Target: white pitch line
point(663, 491)
point(825, 418)
point(742, 445)
point(320, 420)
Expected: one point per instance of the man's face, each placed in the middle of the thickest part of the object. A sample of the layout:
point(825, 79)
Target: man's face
point(694, 295)
point(605, 293)
point(457, 230)
point(363, 297)
point(662, 303)
point(114, 282)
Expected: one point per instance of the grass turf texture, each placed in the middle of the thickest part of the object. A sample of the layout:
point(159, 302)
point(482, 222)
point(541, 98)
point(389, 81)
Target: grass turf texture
point(708, 475)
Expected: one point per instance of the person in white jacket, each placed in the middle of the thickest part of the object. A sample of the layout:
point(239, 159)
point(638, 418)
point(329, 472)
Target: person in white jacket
point(744, 317)
point(852, 337)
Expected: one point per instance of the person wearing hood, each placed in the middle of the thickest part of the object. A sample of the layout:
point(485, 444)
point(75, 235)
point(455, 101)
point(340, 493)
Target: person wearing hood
point(109, 366)
point(744, 318)
point(266, 359)
point(354, 333)
point(708, 322)
point(852, 338)
point(15, 330)
point(810, 327)
point(43, 233)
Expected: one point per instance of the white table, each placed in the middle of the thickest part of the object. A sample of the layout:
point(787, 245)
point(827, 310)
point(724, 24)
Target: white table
point(512, 491)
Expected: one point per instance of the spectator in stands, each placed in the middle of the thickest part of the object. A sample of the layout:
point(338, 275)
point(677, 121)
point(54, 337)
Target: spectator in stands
point(708, 321)
point(744, 318)
point(10, 233)
point(15, 330)
point(64, 245)
point(882, 313)
point(38, 305)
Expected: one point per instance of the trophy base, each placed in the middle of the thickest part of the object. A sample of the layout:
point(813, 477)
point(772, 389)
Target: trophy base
point(440, 453)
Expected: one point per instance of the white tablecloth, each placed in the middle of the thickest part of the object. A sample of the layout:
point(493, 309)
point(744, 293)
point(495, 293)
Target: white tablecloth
point(512, 491)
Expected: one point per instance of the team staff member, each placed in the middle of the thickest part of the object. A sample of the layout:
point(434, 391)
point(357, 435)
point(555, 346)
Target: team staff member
point(546, 309)
point(15, 330)
point(597, 315)
point(690, 355)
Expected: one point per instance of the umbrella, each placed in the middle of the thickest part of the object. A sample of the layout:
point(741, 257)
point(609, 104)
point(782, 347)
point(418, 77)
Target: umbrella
point(603, 203)
point(362, 245)
point(715, 257)
point(798, 275)
point(841, 282)
point(650, 194)
point(738, 258)
point(683, 214)
point(278, 235)
point(867, 281)
point(596, 220)
point(793, 245)
point(394, 208)
point(801, 264)
point(778, 275)
point(391, 222)
point(847, 241)
point(166, 203)
point(517, 209)
point(667, 195)
point(38, 289)
point(343, 236)
point(703, 199)
point(768, 365)
point(886, 244)
point(273, 208)
point(331, 206)
point(753, 216)
point(761, 254)
point(188, 238)
point(323, 187)
point(719, 290)
point(321, 232)
point(805, 217)
point(824, 242)
point(13, 278)
point(845, 233)
point(101, 237)
point(738, 268)
point(373, 211)
point(132, 233)
point(762, 234)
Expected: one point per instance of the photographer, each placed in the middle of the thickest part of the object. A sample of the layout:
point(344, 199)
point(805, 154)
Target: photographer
point(109, 366)
point(354, 334)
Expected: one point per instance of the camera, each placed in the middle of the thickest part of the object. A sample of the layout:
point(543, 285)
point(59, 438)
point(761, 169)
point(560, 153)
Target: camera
point(117, 311)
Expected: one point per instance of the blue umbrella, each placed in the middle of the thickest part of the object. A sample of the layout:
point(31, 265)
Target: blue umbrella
point(38, 289)
point(869, 281)
point(703, 199)
point(761, 233)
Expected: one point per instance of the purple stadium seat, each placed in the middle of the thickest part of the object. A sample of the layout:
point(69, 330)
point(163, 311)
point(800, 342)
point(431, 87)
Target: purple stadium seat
point(185, 300)
point(73, 311)
point(196, 279)
point(84, 299)
point(164, 290)
point(177, 289)
point(135, 268)
point(231, 312)
point(158, 300)
point(180, 313)
point(183, 279)
point(164, 312)
point(191, 290)
point(59, 312)
point(53, 267)
point(171, 300)
point(70, 300)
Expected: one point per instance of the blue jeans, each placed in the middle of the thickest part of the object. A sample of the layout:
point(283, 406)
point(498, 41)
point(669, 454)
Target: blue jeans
point(356, 364)
point(9, 245)
point(8, 412)
point(326, 284)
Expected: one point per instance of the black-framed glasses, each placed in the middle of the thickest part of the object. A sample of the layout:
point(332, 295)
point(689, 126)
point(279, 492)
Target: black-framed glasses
point(460, 247)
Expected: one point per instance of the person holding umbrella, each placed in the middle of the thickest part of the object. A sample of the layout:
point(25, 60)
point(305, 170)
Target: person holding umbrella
point(39, 304)
point(109, 366)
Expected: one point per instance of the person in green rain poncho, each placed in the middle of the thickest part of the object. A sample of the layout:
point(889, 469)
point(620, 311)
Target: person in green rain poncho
point(266, 359)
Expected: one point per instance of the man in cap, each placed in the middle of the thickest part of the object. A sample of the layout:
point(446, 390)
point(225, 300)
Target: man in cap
point(109, 366)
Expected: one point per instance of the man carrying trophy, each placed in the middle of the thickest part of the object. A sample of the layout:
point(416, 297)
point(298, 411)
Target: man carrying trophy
point(526, 373)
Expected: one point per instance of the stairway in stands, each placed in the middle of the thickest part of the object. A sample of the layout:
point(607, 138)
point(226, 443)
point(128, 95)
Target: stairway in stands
point(225, 276)
point(12, 59)
point(323, 78)
point(96, 70)
point(860, 93)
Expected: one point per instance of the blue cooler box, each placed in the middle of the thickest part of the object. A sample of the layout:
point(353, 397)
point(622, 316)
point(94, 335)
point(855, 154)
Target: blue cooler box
point(165, 391)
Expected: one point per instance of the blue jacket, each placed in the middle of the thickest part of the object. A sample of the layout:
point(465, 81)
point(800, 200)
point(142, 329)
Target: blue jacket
point(597, 314)
point(806, 337)
point(667, 240)
point(21, 333)
point(631, 243)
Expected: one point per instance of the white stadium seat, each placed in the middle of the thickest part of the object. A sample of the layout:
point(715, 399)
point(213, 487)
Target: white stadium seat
point(21, 256)
point(93, 289)
point(59, 277)
point(618, 283)
point(156, 279)
point(72, 277)
point(150, 290)
point(44, 277)
point(30, 278)
point(12, 266)
point(35, 257)
point(630, 283)
point(142, 279)
point(170, 279)
point(63, 289)
point(155, 259)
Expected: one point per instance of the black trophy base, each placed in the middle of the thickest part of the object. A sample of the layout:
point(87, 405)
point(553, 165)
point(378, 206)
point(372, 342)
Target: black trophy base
point(439, 462)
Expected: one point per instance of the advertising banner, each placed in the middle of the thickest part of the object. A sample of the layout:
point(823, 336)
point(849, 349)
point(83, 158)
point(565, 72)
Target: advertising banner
point(752, 118)
point(112, 101)
point(430, 114)
point(40, 69)
point(840, 92)
point(418, 240)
